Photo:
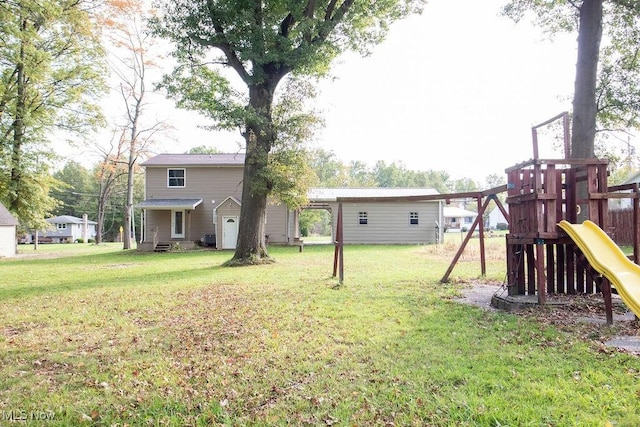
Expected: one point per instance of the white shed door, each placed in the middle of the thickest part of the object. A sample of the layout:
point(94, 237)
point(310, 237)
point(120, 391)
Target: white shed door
point(229, 232)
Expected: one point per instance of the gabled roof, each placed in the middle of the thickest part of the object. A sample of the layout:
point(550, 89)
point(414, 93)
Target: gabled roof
point(67, 219)
point(633, 178)
point(5, 216)
point(162, 204)
point(331, 194)
point(233, 199)
point(236, 159)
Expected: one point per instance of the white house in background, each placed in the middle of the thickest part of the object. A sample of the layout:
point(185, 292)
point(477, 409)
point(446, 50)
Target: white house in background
point(68, 229)
point(618, 204)
point(8, 225)
point(496, 217)
point(369, 219)
point(458, 219)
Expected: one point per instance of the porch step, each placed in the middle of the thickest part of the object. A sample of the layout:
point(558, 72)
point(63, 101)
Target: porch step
point(162, 247)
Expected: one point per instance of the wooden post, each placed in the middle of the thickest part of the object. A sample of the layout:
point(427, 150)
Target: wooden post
point(338, 257)
point(541, 280)
point(608, 304)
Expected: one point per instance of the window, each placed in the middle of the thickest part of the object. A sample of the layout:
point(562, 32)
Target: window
point(176, 177)
point(413, 218)
point(62, 226)
point(363, 218)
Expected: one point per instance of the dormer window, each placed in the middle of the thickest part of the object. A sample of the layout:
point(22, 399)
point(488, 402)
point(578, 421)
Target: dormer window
point(176, 178)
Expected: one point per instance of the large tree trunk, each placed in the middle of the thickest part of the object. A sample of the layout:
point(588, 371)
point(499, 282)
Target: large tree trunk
point(585, 106)
point(584, 96)
point(259, 136)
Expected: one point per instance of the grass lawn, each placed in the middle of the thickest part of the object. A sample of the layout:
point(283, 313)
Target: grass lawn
point(99, 336)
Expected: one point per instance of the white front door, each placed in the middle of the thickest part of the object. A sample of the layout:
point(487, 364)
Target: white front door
point(229, 232)
point(177, 224)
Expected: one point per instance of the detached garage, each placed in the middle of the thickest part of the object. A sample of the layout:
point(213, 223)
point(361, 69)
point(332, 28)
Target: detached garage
point(383, 215)
point(8, 225)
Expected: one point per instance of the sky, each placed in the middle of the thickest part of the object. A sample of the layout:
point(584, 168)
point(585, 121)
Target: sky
point(455, 89)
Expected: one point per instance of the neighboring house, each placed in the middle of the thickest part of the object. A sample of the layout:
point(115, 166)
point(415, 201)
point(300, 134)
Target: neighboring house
point(458, 219)
point(382, 222)
point(195, 199)
point(68, 229)
point(496, 217)
point(625, 203)
point(8, 225)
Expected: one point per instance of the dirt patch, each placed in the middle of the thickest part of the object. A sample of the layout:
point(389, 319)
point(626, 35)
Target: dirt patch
point(583, 315)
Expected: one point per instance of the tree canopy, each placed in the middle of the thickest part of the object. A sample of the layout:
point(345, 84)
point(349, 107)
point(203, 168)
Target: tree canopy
point(606, 92)
point(51, 67)
point(261, 43)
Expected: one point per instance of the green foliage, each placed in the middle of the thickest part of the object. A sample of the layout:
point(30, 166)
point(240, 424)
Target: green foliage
point(331, 172)
point(618, 91)
point(204, 149)
point(262, 43)
point(77, 196)
point(51, 71)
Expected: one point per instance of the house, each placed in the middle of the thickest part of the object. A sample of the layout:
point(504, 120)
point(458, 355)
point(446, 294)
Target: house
point(625, 203)
point(195, 199)
point(458, 219)
point(496, 217)
point(369, 219)
point(68, 229)
point(8, 224)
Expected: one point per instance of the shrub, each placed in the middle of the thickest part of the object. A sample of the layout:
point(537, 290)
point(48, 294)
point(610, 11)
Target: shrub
point(502, 226)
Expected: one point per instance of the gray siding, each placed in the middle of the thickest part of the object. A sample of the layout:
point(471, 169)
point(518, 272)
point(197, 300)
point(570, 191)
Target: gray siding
point(388, 222)
point(212, 184)
point(277, 226)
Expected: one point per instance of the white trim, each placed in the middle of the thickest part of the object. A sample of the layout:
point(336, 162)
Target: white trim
point(184, 178)
point(174, 213)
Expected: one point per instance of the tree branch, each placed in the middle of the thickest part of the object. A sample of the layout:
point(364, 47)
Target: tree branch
point(224, 46)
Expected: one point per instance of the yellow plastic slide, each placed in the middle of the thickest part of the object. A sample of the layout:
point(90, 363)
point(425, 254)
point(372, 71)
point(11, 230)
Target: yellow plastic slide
point(607, 259)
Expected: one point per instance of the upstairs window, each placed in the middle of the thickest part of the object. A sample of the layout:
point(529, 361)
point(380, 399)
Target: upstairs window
point(62, 226)
point(176, 177)
point(413, 218)
point(363, 218)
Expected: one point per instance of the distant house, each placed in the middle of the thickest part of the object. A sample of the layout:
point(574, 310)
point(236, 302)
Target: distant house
point(8, 225)
point(458, 219)
point(368, 219)
point(68, 229)
point(496, 217)
point(624, 203)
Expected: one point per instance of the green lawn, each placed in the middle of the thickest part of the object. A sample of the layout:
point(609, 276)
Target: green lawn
point(99, 336)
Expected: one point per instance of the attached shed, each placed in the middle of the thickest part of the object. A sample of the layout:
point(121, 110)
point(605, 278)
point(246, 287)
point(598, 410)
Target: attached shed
point(369, 219)
point(8, 224)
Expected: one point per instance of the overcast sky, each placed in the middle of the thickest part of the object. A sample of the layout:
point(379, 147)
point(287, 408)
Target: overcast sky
point(455, 89)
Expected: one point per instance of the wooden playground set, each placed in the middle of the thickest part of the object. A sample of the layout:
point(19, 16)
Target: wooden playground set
point(542, 259)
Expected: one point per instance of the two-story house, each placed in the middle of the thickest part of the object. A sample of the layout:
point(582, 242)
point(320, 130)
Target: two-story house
point(196, 198)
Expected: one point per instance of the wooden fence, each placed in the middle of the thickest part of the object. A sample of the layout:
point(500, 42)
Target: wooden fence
point(621, 226)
